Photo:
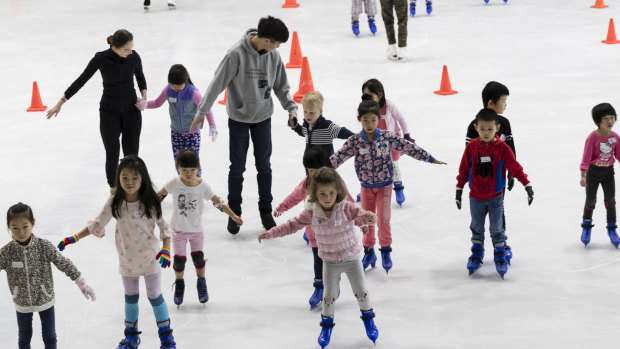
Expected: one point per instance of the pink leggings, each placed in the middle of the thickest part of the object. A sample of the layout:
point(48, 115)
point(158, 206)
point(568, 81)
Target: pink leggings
point(180, 239)
point(378, 200)
point(152, 281)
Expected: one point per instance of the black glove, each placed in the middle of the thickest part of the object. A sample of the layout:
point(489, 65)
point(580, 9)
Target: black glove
point(530, 194)
point(459, 194)
point(511, 182)
point(292, 122)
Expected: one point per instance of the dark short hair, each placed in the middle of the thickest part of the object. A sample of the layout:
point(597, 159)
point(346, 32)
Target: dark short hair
point(187, 158)
point(493, 91)
point(368, 107)
point(178, 75)
point(486, 114)
point(316, 157)
point(601, 110)
point(19, 210)
point(120, 38)
point(326, 176)
point(272, 28)
point(375, 86)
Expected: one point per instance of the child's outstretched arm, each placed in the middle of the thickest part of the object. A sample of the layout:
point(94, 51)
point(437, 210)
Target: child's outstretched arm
point(296, 196)
point(517, 171)
point(212, 127)
point(162, 193)
point(357, 214)
point(157, 102)
point(73, 239)
point(347, 151)
point(412, 149)
point(164, 254)
point(289, 227)
point(220, 205)
point(66, 266)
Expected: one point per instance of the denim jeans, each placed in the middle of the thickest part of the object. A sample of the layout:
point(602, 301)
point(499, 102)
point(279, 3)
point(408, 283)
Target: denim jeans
point(479, 210)
point(48, 326)
point(240, 134)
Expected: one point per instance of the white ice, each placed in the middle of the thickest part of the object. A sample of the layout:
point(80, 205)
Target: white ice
point(557, 294)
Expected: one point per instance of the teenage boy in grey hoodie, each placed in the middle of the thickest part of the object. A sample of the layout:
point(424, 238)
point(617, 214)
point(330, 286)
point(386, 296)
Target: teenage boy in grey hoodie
point(250, 71)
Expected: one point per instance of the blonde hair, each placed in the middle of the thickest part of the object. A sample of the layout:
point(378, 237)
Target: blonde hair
point(326, 176)
point(313, 98)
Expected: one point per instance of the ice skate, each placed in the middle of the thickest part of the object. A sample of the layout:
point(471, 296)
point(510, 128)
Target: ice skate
point(201, 287)
point(401, 53)
point(475, 260)
point(412, 8)
point(327, 324)
point(500, 261)
point(132, 337)
point(369, 258)
point(386, 260)
point(429, 6)
point(147, 5)
point(391, 52)
point(306, 238)
point(372, 26)
point(371, 330)
point(165, 335)
point(317, 295)
point(179, 291)
point(400, 195)
point(359, 197)
point(586, 233)
point(508, 253)
point(172, 5)
point(355, 25)
point(267, 219)
point(613, 236)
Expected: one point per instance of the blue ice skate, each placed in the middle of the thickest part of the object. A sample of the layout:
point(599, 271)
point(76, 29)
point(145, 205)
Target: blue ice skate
point(475, 260)
point(613, 236)
point(500, 261)
point(359, 197)
point(508, 253)
point(306, 238)
point(327, 324)
point(369, 258)
point(400, 195)
point(201, 286)
point(586, 233)
point(355, 25)
point(412, 8)
point(386, 260)
point(179, 291)
point(486, 1)
point(132, 337)
point(165, 335)
point(317, 295)
point(429, 6)
point(371, 330)
point(373, 27)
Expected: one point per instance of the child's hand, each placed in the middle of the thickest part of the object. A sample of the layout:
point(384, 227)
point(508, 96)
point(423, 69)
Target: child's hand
point(164, 257)
point(530, 194)
point(369, 217)
point(237, 220)
point(408, 137)
point(197, 121)
point(459, 194)
point(364, 229)
point(213, 133)
point(437, 162)
point(68, 241)
point(141, 104)
point(583, 181)
point(277, 213)
point(263, 236)
point(511, 182)
point(292, 120)
point(86, 290)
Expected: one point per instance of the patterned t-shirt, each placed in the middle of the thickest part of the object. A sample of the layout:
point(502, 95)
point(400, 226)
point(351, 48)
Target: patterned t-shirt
point(188, 204)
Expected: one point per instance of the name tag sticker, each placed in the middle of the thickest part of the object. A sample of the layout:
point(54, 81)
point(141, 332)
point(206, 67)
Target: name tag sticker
point(172, 99)
point(138, 214)
point(612, 140)
point(485, 159)
point(364, 151)
point(17, 264)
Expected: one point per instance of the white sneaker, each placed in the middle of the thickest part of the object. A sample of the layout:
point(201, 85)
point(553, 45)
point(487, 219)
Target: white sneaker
point(402, 53)
point(171, 5)
point(391, 52)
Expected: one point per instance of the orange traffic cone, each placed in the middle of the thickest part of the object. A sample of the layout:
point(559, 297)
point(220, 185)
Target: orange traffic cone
point(445, 88)
point(290, 4)
point(296, 59)
point(305, 82)
point(599, 4)
point(36, 104)
point(611, 34)
point(223, 101)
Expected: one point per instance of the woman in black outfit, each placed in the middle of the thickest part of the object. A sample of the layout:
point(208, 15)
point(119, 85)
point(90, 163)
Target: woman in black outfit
point(119, 112)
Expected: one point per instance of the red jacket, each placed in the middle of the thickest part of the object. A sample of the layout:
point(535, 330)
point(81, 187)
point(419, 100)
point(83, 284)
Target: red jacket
point(484, 167)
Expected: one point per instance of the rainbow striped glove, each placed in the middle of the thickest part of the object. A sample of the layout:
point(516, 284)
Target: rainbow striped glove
point(68, 241)
point(164, 257)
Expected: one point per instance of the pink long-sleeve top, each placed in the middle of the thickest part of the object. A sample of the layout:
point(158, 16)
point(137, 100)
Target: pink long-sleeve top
point(159, 101)
point(335, 234)
point(600, 151)
point(392, 119)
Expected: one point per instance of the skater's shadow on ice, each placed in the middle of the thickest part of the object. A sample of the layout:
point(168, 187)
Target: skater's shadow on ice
point(446, 278)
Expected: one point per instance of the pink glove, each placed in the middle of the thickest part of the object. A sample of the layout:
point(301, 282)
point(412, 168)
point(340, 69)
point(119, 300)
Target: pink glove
point(86, 290)
point(213, 133)
point(141, 104)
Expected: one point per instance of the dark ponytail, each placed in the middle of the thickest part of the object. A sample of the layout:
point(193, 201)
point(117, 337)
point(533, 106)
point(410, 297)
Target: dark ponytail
point(178, 75)
point(120, 38)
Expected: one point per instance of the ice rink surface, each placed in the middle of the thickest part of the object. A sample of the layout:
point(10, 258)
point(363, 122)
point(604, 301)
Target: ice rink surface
point(548, 52)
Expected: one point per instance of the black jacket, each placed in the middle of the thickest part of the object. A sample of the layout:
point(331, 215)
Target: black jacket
point(322, 134)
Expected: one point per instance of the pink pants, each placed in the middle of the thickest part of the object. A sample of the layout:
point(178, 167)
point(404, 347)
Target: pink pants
point(180, 239)
point(378, 200)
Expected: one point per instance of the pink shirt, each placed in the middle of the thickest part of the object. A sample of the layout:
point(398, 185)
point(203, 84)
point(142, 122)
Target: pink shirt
point(600, 151)
point(159, 101)
point(392, 119)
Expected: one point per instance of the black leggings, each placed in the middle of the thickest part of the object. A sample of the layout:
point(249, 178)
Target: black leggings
point(111, 126)
point(605, 177)
point(318, 264)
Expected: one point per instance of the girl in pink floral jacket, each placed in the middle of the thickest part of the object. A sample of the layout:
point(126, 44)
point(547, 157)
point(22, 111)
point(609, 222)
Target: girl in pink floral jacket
point(372, 149)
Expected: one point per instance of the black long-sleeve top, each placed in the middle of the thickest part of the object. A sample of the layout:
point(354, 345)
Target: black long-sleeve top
point(117, 73)
point(322, 133)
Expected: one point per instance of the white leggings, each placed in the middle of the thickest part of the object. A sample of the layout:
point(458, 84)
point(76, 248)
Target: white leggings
point(331, 280)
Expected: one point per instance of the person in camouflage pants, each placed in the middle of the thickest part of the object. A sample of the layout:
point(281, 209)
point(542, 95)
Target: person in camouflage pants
point(387, 12)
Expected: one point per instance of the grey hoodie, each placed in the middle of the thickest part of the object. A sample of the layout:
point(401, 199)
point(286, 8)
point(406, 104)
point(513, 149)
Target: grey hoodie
point(249, 78)
point(29, 273)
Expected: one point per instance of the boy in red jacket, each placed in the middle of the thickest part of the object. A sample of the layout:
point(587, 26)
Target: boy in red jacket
point(484, 165)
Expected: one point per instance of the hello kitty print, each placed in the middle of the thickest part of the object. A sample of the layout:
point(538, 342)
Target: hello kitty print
point(600, 151)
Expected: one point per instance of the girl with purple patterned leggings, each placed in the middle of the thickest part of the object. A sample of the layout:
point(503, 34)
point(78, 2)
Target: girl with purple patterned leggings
point(183, 99)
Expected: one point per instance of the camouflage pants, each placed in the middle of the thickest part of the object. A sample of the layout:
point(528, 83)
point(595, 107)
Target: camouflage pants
point(402, 12)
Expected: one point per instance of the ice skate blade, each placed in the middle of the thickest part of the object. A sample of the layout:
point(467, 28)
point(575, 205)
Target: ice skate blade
point(369, 269)
point(316, 306)
point(172, 7)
